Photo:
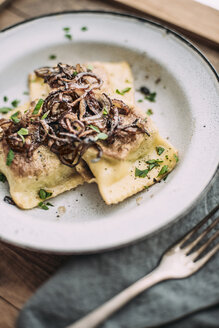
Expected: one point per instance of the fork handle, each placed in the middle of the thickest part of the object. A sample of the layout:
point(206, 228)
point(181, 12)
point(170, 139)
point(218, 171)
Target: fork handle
point(96, 317)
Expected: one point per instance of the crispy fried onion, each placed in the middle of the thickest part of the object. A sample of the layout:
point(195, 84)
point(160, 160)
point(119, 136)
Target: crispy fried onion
point(72, 117)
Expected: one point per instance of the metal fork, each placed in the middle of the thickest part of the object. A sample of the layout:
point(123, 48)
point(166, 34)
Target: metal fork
point(179, 261)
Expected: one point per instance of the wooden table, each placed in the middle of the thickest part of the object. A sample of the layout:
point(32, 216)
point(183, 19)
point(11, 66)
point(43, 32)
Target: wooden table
point(22, 271)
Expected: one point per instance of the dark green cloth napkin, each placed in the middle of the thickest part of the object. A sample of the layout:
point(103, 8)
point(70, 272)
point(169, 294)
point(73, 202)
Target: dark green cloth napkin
point(86, 282)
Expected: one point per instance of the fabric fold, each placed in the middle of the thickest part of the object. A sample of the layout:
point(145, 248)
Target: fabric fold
point(85, 282)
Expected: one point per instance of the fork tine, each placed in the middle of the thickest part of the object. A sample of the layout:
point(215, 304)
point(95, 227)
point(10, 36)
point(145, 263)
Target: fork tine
point(195, 254)
point(207, 257)
point(201, 223)
point(202, 235)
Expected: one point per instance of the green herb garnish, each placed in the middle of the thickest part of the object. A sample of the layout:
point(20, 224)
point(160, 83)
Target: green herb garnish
point(22, 132)
point(141, 173)
point(123, 91)
point(100, 135)
point(26, 93)
point(52, 57)
point(94, 128)
point(2, 177)
point(149, 112)
point(105, 112)
point(10, 157)
point(15, 118)
point(43, 206)
point(153, 163)
point(163, 170)
point(5, 98)
point(176, 158)
point(68, 36)
point(15, 103)
point(159, 150)
point(90, 67)
point(5, 110)
point(45, 115)
point(151, 97)
point(43, 194)
point(38, 106)
point(84, 28)
point(140, 100)
point(164, 179)
point(49, 204)
point(75, 73)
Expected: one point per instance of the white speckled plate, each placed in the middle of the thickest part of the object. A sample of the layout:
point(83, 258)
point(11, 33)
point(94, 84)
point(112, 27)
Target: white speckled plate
point(186, 111)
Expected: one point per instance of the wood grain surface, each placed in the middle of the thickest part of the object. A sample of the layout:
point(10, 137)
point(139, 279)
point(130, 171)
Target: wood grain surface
point(188, 15)
point(23, 271)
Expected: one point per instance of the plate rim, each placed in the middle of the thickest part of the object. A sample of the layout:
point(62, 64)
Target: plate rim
point(115, 13)
point(198, 198)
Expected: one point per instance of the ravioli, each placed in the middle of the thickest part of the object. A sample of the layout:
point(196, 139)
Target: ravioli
point(115, 76)
point(44, 170)
point(115, 174)
point(124, 169)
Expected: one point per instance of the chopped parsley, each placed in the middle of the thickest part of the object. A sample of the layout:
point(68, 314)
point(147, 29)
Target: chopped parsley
point(2, 177)
point(164, 179)
point(45, 115)
point(43, 194)
point(10, 157)
point(44, 206)
point(52, 57)
point(15, 118)
point(105, 112)
point(26, 93)
point(84, 28)
point(140, 100)
point(163, 170)
point(122, 92)
point(100, 135)
point(75, 73)
point(22, 132)
point(176, 158)
point(151, 97)
point(5, 110)
point(153, 163)
point(15, 103)
point(49, 204)
point(68, 36)
point(38, 106)
point(149, 112)
point(159, 150)
point(94, 128)
point(89, 67)
point(141, 173)
point(5, 98)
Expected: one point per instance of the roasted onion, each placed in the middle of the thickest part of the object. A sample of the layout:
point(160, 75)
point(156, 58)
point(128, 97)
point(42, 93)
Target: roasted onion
point(72, 118)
